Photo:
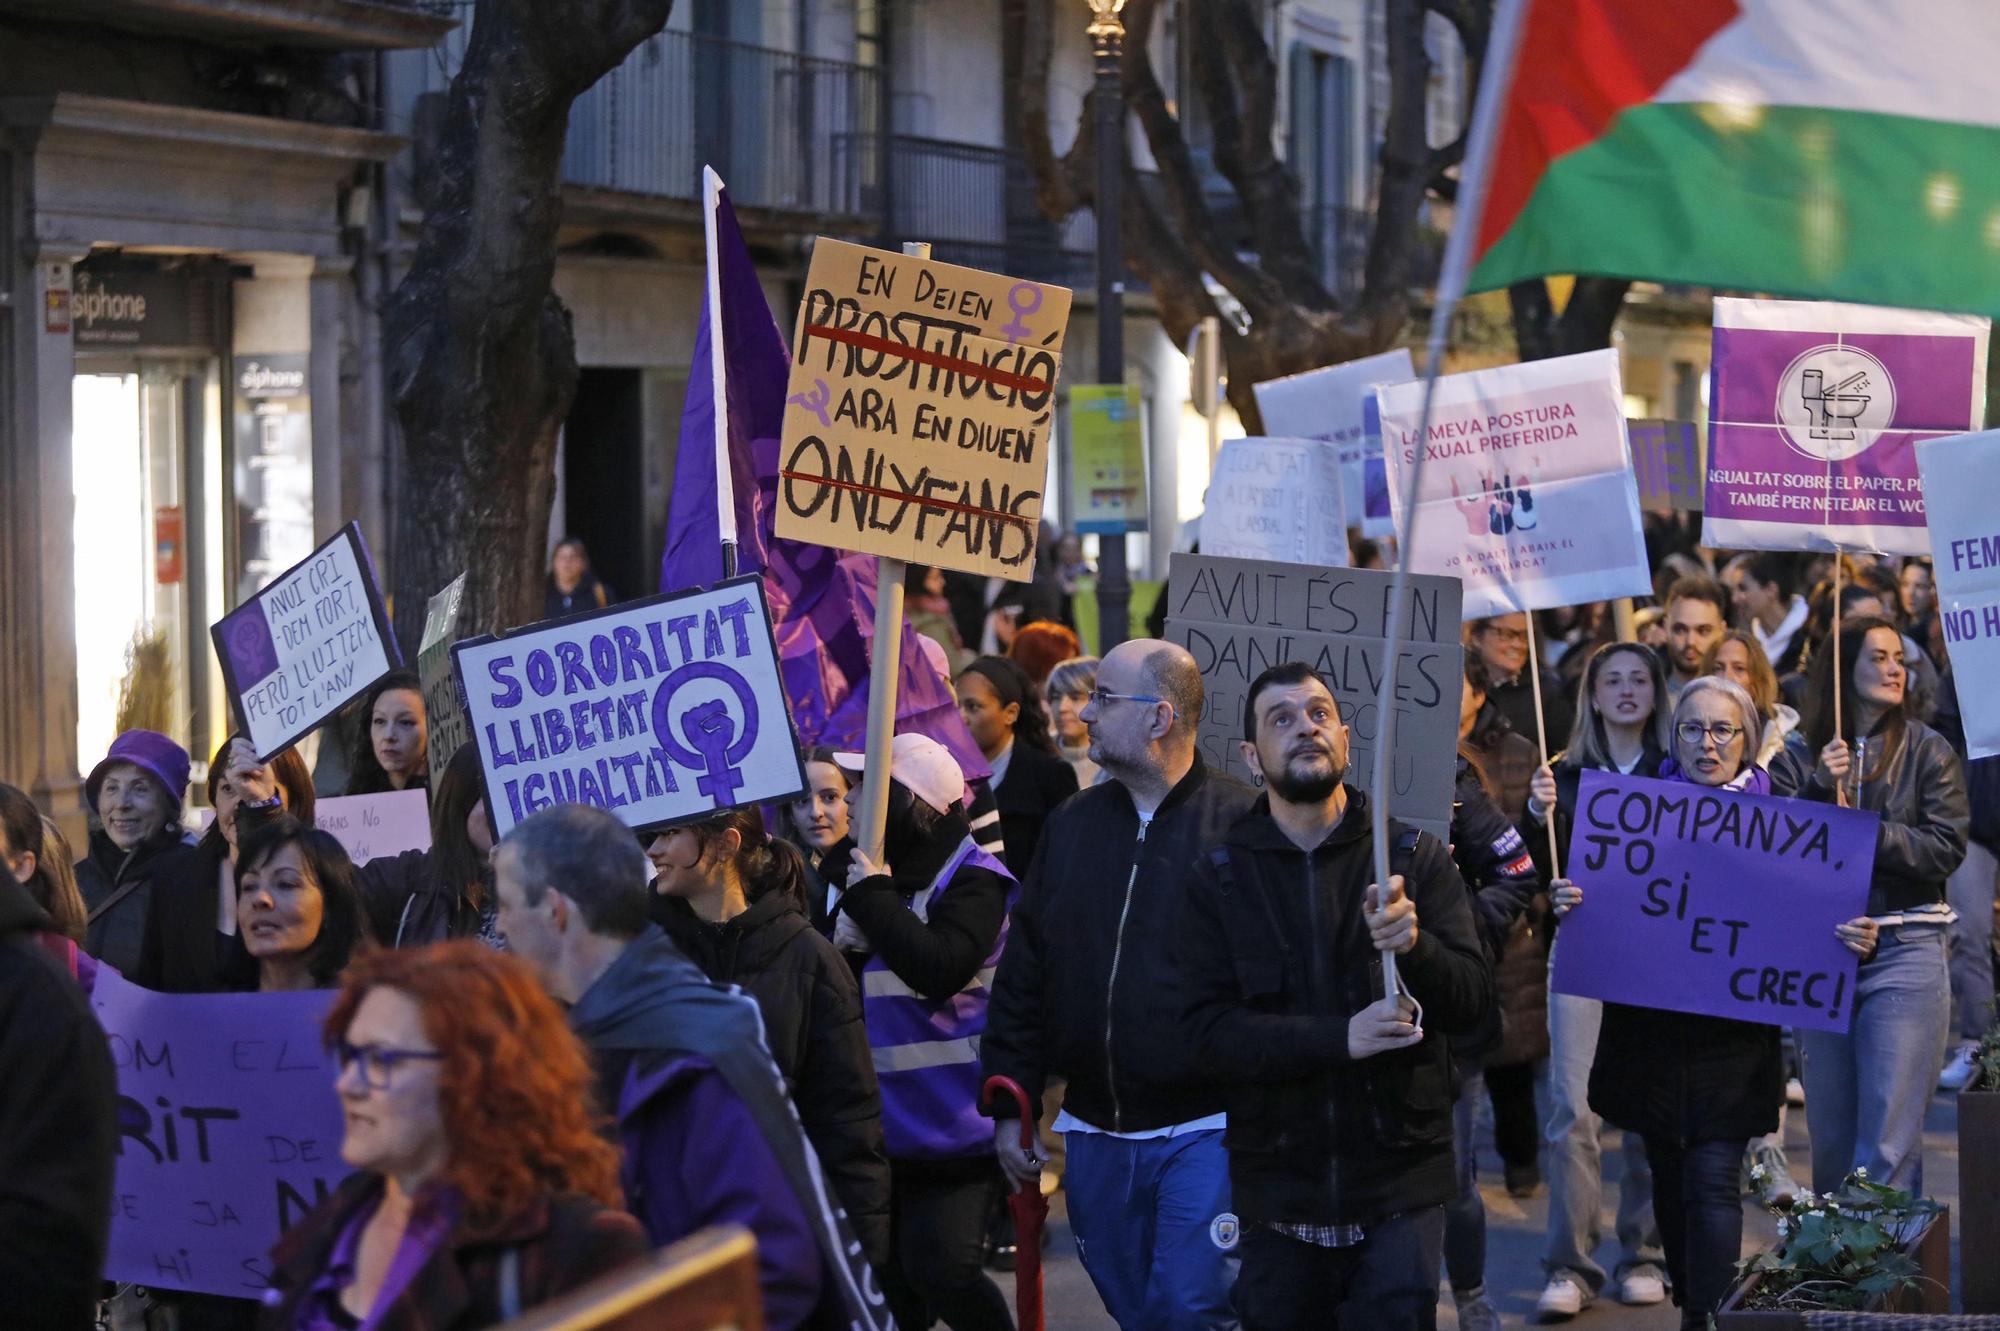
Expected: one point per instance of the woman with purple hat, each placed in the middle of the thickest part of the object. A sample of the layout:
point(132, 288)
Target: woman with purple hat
point(135, 837)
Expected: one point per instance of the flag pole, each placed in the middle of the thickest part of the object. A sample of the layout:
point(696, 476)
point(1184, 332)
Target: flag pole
point(1481, 146)
point(884, 673)
point(725, 494)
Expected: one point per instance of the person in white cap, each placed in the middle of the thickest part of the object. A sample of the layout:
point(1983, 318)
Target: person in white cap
point(924, 931)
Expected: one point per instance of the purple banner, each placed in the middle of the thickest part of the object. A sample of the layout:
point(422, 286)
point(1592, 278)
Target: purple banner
point(229, 1131)
point(1666, 457)
point(1816, 413)
point(1708, 901)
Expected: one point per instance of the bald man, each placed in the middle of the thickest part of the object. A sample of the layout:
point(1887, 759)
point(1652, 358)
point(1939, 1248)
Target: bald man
point(1085, 992)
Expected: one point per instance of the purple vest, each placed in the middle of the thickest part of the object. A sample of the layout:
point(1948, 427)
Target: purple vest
point(927, 1052)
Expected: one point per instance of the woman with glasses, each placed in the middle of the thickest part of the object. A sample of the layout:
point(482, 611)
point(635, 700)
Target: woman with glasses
point(1621, 726)
point(1696, 1089)
point(1866, 1091)
point(732, 897)
point(481, 1186)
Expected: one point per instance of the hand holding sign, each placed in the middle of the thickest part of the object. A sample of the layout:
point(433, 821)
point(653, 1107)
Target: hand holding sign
point(1564, 896)
point(1392, 921)
point(255, 782)
point(1857, 935)
point(1385, 1024)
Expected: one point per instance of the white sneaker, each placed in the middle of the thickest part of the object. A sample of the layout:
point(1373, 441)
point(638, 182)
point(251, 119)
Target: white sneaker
point(1795, 1093)
point(1959, 1070)
point(1642, 1287)
point(1563, 1298)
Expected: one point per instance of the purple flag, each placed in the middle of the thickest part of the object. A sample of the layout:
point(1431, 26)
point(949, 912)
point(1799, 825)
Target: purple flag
point(822, 600)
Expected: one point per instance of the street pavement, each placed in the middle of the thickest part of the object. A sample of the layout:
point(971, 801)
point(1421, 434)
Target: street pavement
point(1514, 1239)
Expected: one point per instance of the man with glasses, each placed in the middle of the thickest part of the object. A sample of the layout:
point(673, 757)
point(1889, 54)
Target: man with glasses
point(1085, 991)
point(700, 1107)
point(1339, 1093)
point(1501, 642)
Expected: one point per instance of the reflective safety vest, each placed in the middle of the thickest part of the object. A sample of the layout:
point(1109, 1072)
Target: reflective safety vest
point(927, 1050)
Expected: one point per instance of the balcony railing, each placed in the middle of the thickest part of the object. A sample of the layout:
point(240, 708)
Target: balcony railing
point(776, 125)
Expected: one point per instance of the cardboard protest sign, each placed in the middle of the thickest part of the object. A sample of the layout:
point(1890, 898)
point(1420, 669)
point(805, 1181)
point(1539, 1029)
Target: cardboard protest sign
point(374, 827)
point(659, 711)
point(1815, 411)
point(1276, 499)
point(1709, 901)
point(1240, 617)
point(1666, 459)
point(919, 410)
point(1337, 404)
point(444, 710)
point(1528, 491)
point(1961, 475)
point(1107, 458)
point(229, 1131)
point(312, 640)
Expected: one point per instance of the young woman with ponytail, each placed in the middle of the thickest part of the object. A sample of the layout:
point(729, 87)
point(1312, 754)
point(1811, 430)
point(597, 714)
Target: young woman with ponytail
point(732, 897)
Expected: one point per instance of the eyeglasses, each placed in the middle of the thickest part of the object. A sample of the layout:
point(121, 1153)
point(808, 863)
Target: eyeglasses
point(1102, 696)
point(379, 1062)
point(1692, 732)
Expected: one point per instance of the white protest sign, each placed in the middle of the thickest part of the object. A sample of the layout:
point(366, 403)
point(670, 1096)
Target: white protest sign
point(919, 410)
point(314, 638)
point(1336, 403)
point(1276, 499)
point(1240, 617)
point(659, 711)
point(374, 827)
point(1961, 474)
point(1528, 495)
point(444, 713)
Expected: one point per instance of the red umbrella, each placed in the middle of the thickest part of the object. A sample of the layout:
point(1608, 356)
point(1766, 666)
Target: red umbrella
point(1030, 1209)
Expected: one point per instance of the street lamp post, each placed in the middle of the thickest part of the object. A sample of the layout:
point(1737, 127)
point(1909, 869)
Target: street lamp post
point(1107, 39)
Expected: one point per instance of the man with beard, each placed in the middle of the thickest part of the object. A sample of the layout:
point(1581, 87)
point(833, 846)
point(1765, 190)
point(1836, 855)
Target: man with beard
point(1339, 1098)
point(1697, 617)
point(1085, 991)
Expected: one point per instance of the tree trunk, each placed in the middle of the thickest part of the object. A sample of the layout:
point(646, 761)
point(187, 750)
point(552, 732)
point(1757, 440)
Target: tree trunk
point(482, 359)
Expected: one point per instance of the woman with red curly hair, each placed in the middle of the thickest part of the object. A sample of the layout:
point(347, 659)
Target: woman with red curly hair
point(481, 1186)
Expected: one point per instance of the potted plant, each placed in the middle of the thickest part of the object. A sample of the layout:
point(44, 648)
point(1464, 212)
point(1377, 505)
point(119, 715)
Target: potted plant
point(1979, 1178)
point(1862, 1246)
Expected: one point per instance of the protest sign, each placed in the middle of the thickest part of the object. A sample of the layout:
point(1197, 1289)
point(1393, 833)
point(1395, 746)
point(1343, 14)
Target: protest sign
point(374, 827)
point(1815, 412)
point(444, 710)
point(1337, 404)
point(659, 711)
point(1666, 459)
point(1107, 458)
point(313, 639)
point(918, 411)
point(1961, 475)
point(1276, 499)
point(229, 1131)
point(1240, 617)
point(1528, 492)
point(1703, 900)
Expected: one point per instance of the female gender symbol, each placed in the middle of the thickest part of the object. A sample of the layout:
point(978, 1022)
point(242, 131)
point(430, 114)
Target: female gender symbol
point(717, 746)
point(1017, 301)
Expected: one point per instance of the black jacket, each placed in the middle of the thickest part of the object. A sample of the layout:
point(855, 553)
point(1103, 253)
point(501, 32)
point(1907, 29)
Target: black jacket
point(1037, 781)
point(1920, 793)
point(1515, 699)
point(183, 952)
point(57, 1130)
point(117, 936)
point(409, 903)
point(1274, 954)
point(1676, 1077)
point(938, 957)
point(812, 1022)
point(1085, 989)
point(1508, 907)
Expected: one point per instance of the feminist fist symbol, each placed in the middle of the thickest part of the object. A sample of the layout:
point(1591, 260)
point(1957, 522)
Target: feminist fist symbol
point(708, 727)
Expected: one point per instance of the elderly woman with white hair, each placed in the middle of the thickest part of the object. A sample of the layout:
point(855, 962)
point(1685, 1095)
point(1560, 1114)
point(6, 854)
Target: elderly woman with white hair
point(1696, 1088)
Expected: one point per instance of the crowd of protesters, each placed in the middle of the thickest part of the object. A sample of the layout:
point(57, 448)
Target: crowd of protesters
point(562, 1049)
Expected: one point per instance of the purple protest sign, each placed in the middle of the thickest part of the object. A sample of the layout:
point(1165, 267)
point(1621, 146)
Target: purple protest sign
point(229, 1131)
point(1708, 901)
point(1816, 411)
point(1666, 458)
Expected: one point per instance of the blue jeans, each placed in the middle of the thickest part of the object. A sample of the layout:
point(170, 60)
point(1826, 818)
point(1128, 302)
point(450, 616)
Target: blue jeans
point(1866, 1091)
point(1970, 890)
point(1154, 1229)
point(1701, 1220)
point(1465, 1214)
point(1575, 1173)
point(1387, 1282)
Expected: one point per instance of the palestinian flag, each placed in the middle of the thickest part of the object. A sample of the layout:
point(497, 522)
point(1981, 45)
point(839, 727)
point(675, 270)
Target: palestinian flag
point(1843, 149)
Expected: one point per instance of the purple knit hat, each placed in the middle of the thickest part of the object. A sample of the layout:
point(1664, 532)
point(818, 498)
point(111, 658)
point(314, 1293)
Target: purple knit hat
point(152, 753)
